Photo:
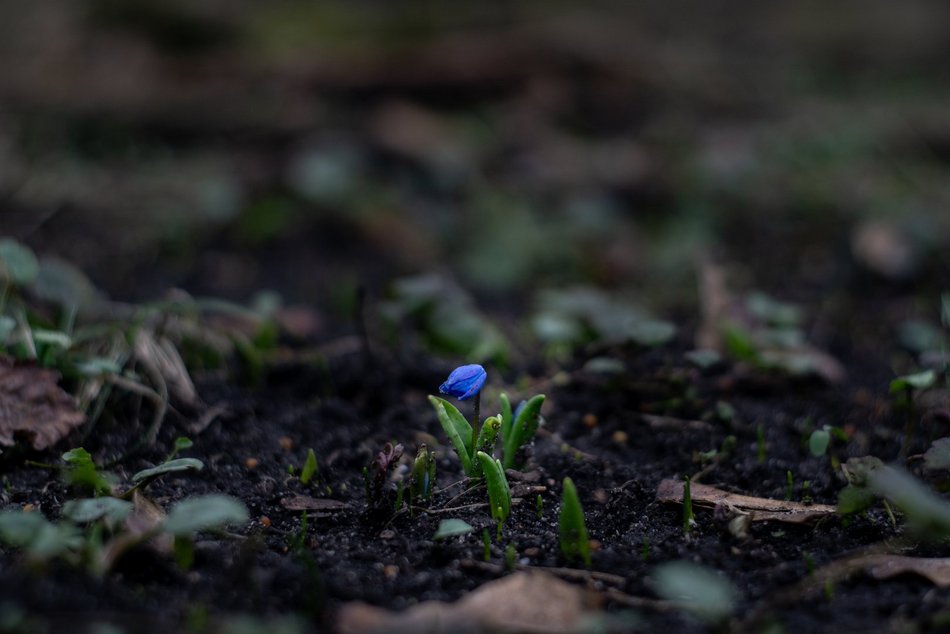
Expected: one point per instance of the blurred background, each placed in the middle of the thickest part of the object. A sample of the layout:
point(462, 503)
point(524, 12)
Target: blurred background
point(491, 153)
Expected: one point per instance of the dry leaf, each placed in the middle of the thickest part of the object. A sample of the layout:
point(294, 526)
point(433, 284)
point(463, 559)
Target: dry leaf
point(161, 358)
point(526, 602)
point(307, 503)
point(759, 509)
point(141, 523)
point(935, 569)
point(31, 403)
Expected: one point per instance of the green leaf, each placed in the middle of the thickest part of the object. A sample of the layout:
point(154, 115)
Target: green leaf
point(523, 429)
point(854, 499)
point(172, 466)
point(697, 589)
point(423, 475)
point(91, 509)
point(506, 417)
point(53, 338)
point(182, 443)
point(309, 467)
point(457, 429)
point(52, 540)
point(204, 513)
point(7, 326)
point(487, 435)
point(938, 456)
point(61, 283)
point(18, 262)
point(97, 366)
point(918, 381)
point(499, 495)
point(81, 471)
point(925, 510)
point(818, 442)
point(573, 530)
point(18, 528)
point(452, 528)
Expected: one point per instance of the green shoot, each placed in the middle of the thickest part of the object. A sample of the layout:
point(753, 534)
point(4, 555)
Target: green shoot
point(518, 430)
point(789, 485)
point(181, 444)
point(499, 495)
point(309, 467)
point(422, 481)
point(83, 473)
point(462, 435)
point(539, 506)
point(689, 520)
point(511, 557)
point(400, 490)
point(574, 541)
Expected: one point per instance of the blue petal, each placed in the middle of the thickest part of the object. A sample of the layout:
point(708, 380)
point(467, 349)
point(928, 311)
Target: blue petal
point(464, 382)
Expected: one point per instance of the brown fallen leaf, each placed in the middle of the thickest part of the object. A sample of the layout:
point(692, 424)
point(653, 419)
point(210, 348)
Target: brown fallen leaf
point(140, 526)
point(307, 503)
point(935, 569)
point(32, 404)
point(760, 509)
point(525, 602)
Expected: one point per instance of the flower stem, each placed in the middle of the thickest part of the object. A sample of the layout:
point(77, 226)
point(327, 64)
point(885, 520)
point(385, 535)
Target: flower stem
point(476, 415)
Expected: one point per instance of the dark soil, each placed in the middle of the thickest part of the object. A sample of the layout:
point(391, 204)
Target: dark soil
point(616, 144)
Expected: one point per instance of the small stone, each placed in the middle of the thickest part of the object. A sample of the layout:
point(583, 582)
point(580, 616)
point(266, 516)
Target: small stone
point(286, 443)
point(620, 437)
point(594, 545)
point(590, 420)
point(600, 496)
point(29, 508)
point(265, 521)
point(387, 534)
point(391, 571)
point(251, 463)
point(532, 552)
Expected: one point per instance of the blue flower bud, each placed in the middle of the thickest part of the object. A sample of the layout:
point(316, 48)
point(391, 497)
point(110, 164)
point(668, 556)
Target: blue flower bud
point(465, 381)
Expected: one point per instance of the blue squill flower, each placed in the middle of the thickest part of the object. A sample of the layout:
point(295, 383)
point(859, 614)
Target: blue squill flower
point(465, 382)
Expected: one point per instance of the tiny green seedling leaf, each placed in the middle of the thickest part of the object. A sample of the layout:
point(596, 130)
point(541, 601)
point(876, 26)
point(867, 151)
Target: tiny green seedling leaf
point(938, 456)
point(204, 513)
point(452, 528)
point(696, 589)
point(573, 530)
point(818, 441)
point(854, 499)
point(91, 509)
point(919, 381)
point(172, 466)
point(81, 471)
point(457, 429)
point(499, 495)
point(17, 262)
point(309, 467)
point(17, 528)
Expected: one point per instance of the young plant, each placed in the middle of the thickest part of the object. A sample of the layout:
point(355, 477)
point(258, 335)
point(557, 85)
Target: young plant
point(499, 494)
point(377, 475)
point(309, 467)
point(518, 428)
point(422, 480)
point(463, 436)
point(574, 542)
point(904, 387)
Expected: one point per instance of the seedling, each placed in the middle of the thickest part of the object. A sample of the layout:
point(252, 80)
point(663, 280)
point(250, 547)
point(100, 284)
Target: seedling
point(511, 557)
point(486, 545)
point(499, 495)
point(82, 472)
point(462, 435)
point(689, 520)
point(309, 467)
point(539, 506)
point(377, 475)
point(518, 428)
point(181, 444)
point(904, 387)
point(452, 528)
point(573, 530)
point(422, 480)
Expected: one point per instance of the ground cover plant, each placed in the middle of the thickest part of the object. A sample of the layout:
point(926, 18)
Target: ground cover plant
point(520, 318)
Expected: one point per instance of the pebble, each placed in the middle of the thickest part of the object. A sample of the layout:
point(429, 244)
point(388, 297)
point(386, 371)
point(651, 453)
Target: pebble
point(251, 463)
